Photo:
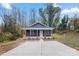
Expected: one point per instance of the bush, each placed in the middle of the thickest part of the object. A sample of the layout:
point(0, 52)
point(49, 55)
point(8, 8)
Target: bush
point(7, 36)
point(16, 34)
point(10, 34)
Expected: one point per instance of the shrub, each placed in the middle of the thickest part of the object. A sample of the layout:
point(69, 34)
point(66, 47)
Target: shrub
point(7, 36)
point(16, 34)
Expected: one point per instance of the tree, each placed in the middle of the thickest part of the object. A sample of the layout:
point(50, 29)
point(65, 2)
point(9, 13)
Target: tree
point(43, 17)
point(51, 12)
point(63, 24)
point(75, 22)
point(13, 22)
point(56, 21)
point(32, 16)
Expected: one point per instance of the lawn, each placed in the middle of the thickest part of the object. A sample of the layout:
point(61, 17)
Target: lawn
point(70, 38)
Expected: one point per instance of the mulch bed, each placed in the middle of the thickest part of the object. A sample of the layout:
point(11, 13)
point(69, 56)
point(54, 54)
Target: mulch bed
point(4, 47)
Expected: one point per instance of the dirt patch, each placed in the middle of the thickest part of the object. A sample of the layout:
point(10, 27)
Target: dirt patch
point(4, 47)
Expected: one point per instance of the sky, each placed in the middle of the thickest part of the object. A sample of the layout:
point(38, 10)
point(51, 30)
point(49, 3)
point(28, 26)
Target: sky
point(66, 8)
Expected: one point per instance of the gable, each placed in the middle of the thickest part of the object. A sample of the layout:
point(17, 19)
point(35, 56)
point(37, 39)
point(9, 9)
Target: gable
point(38, 25)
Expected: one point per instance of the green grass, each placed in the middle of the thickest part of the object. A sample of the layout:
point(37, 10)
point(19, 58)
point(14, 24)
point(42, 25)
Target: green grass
point(70, 38)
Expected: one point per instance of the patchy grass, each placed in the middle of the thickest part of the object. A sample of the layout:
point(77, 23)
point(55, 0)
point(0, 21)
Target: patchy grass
point(70, 38)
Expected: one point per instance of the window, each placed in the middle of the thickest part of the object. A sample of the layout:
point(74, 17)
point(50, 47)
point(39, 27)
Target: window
point(33, 32)
point(46, 32)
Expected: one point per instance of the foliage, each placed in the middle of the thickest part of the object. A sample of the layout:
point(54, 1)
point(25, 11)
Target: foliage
point(52, 12)
point(11, 27)
point(12, 24)
point(50, 15)
point(63, 24)
point(7, 36)
point(76, 22)
point(43, 17)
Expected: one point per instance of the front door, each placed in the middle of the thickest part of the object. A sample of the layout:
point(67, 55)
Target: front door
point(41, 34)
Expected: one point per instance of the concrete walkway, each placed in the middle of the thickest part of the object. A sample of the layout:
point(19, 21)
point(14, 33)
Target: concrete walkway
point(42, 48)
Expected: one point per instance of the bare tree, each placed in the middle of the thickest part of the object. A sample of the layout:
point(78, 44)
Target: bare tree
point(32, 16)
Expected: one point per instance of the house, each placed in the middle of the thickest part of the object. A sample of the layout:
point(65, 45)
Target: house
point(38, 30)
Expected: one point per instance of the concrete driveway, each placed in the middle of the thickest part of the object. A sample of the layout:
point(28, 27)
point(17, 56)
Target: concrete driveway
point(42, 48)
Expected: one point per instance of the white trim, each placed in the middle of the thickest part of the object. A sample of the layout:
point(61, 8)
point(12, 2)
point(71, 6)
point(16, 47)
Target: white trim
point(36, 23)
point(37, 28)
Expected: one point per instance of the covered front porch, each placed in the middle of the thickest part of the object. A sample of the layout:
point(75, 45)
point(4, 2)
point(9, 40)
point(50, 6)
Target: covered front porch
point(38, 33)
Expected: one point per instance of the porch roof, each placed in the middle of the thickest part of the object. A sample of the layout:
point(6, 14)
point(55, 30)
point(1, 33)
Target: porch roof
point(38, 26)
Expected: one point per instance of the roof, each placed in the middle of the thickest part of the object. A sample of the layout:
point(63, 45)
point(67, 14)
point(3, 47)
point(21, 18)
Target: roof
point(39, 26)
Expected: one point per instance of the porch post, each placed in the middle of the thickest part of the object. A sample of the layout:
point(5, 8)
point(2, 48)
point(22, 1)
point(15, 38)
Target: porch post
point(37, 34)
point(51, 33)
point(25, 33)
point(30, 32)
